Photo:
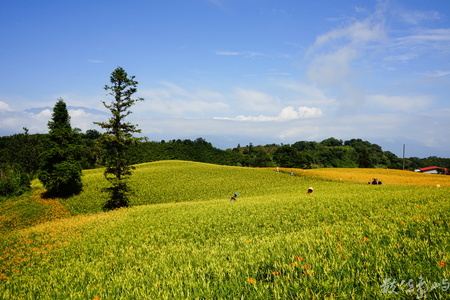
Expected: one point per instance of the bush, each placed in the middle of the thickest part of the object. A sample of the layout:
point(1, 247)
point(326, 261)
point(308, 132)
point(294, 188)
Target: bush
point(13, 181)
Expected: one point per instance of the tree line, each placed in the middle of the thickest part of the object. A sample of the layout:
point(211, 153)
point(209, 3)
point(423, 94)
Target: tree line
point(21, 155)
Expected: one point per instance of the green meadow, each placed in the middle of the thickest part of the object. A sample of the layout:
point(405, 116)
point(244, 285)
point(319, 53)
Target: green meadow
point(183, 239)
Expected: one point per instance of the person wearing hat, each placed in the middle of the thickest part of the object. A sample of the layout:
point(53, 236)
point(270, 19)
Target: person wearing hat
point(233, 198)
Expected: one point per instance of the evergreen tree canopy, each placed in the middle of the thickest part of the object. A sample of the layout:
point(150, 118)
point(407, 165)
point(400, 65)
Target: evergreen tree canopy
point(119, 135)
point(60, 163)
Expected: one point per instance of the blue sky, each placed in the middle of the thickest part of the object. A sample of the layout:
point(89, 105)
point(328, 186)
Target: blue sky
point(236, 71)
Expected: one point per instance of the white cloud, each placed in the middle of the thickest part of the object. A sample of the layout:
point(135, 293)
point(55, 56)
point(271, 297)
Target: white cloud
point(174, 100)
point(358, 33)
point(416, 17)
point(79, 118)
point(308, 94)
point(426, 36)
point(359, 9)
point(36, 120)
point(421, 42)
point(248, 99)
point(4, 106)
point(287, 114)
point(335, 59)
point(227, 53)
point(250, 54)
point(399, 103)
point(333, 53)
point(401, 57)
point(437, 74)
point(333, 68)
point(12, 121)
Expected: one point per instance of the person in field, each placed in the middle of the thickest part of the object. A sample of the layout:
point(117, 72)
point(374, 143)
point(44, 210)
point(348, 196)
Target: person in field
point(233, 198)
point(310, 190)
point(374, 181)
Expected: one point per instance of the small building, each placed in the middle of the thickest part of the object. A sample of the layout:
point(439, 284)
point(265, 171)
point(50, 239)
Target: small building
point(433, 170)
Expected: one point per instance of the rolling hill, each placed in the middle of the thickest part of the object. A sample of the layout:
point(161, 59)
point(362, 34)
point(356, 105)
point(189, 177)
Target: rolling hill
point(184, 239)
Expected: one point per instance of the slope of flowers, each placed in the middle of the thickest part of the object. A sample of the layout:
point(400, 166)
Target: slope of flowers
point(344, 241)
point(386, 176)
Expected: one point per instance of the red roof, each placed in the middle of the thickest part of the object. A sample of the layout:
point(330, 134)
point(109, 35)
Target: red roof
point(431, 168)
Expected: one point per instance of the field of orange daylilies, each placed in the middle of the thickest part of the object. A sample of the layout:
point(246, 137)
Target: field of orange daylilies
point(386, 176)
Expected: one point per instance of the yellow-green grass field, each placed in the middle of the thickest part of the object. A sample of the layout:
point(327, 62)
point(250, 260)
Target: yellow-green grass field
point(183, 239)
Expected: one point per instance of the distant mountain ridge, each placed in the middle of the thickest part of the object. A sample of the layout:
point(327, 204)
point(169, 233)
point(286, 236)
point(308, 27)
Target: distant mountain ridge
point(36, 110)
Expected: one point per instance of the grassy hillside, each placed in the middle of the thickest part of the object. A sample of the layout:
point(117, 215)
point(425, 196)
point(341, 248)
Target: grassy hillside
point(345, 241)
point(181, 181)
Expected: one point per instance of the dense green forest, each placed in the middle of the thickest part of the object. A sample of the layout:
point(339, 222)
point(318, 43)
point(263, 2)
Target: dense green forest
point(20, 155)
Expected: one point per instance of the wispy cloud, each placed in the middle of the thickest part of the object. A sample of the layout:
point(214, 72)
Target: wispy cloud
point(416, 17)
point(287, 114)
point(437, 74)
point(4, 106)
point(417, 43)
point(308, 95)
point(358, 33)
point(253, 100)
point(333, 56)
point(173, 100)
point(333, 52)
point(218, 3)
point(227, 53)
point(234, 53)
point(399, 103)
point(426, 36)
point(401, 57)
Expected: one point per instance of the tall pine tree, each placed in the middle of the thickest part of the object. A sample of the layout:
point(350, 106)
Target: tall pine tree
point(118, 135)
point(60, 164)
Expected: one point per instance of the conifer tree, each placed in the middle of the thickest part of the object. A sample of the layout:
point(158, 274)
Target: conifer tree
point(60, 164)
point(118, 135)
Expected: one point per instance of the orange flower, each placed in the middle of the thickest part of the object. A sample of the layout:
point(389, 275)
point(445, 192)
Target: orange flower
point(299, 258)
point(251, 280)
point(276, 273)
point(294, 264)
point(442, 264)
point(306, 266)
